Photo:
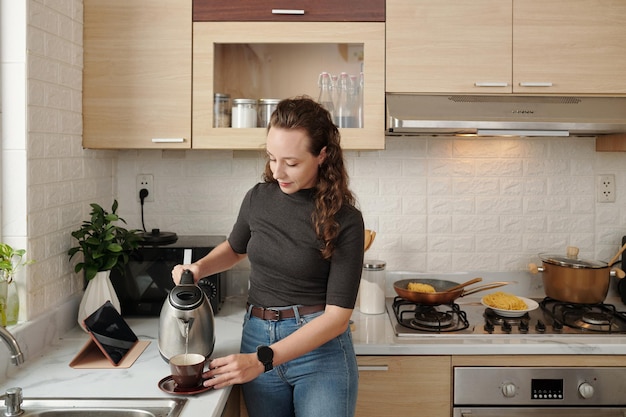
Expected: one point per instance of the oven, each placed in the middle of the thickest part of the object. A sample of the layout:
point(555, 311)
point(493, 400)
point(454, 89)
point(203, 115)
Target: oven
point(539, 392)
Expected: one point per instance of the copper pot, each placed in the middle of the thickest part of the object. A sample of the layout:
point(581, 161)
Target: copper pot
point(573, 280)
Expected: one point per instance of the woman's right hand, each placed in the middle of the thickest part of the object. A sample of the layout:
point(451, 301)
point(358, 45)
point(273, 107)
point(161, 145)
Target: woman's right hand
point(177, 272)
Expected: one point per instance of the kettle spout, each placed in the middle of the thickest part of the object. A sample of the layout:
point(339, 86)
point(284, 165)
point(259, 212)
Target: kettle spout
point(184, 325)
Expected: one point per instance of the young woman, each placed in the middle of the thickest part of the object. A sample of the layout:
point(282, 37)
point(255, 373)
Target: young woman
point(304, 238)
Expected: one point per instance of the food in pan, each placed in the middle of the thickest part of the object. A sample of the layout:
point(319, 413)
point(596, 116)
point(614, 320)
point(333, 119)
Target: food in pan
point(419, 287)
point(504, 301)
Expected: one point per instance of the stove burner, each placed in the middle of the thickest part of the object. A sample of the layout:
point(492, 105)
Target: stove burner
point(599, 318)
point(595, 318)
point(432, 318)
point(498, 319)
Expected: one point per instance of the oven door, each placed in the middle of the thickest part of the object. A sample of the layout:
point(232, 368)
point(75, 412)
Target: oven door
point(538, 412)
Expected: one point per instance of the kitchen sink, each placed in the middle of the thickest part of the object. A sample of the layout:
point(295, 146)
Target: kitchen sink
point(102, 407)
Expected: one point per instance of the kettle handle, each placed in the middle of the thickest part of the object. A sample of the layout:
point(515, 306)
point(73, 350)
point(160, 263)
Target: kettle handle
point(187, 277)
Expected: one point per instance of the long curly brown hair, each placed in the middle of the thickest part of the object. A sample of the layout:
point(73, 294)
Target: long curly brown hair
point(331, 190)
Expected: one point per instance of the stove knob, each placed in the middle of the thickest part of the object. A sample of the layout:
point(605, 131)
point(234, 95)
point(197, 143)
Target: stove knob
point(585, 390)
point(509, 389)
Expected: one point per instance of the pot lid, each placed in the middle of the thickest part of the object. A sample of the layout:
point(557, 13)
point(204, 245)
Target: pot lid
point(563, 260)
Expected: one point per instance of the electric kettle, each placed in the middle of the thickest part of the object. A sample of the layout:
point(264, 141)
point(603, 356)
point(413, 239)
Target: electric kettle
point(186, 323)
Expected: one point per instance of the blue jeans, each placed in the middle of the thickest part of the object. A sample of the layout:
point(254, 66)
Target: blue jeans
point(321, 383)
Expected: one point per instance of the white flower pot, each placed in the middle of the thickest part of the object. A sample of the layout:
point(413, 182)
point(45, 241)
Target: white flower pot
point(99, 290)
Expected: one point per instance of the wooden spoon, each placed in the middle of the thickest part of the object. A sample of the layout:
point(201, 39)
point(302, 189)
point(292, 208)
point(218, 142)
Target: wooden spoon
point(616, 257)
point(464, 284)
point(373, 236)
point(370, 235)
point(368, 239)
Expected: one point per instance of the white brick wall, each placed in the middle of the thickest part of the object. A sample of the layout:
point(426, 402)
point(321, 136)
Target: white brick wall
point(62, 178)
point(438, 204)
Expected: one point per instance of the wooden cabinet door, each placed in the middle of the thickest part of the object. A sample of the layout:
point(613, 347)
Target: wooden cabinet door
point(404, 386)
point(137, 74)
point(257, 60)
point(438, 46)
point(289, 11)
point(569, 46)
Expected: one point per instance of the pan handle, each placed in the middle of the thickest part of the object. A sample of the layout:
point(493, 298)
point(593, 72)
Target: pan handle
point(489, 286)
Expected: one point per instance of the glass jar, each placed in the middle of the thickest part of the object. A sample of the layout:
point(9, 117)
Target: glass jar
point(221, 110)
point(244, 113)
point(372, 288)
point(266, 108)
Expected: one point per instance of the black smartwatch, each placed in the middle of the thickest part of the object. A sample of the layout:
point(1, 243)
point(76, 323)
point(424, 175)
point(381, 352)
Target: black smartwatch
point(265, 354)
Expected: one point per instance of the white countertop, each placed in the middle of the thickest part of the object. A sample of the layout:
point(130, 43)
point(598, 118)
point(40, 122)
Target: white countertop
point(48, 374)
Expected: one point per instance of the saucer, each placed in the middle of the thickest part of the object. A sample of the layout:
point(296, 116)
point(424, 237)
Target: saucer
point(168, 385)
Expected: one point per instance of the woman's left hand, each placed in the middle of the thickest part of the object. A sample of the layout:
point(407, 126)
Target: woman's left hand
point(232, 369)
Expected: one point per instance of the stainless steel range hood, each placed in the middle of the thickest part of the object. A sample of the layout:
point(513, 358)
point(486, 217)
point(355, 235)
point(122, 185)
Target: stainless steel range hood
point(414, 114)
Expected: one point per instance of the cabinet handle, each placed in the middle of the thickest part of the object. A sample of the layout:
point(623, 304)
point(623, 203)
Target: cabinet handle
point(168, 140)
point(539, 84)
point(376, 368)
point(488, 84)
point(287, 11)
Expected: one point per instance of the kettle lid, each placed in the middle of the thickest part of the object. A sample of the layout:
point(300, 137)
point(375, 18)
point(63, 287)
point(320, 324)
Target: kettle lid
point(186, 295)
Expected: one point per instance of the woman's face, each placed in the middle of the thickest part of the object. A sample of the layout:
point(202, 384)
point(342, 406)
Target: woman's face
point(292, 165)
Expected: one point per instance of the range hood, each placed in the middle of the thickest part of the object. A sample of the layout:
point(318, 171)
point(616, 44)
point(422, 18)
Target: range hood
point(512, 115)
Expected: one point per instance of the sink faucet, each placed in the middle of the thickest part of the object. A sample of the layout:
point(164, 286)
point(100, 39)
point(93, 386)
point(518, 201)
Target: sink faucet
point(17, 356)
point(13, 402)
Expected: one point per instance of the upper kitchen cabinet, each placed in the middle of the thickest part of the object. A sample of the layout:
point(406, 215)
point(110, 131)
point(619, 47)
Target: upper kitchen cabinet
point(506, 46)
point(439, 46)
point(137, 74)
point(276, 60)
point(569, 46)
point(289, 11)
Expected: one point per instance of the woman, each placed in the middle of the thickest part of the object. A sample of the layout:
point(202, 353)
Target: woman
point(304, 239)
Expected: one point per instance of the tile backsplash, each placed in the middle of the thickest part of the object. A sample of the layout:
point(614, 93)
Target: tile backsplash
point(438, 204)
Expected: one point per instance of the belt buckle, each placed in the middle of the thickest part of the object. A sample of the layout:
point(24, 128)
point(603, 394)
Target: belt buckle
point(274, 311)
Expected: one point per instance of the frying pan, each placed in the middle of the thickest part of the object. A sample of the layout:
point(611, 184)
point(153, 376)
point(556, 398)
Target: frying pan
point(440, 296)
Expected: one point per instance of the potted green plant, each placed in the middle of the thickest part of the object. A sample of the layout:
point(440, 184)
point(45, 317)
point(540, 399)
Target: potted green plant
point(104, 245)
point(10, 261)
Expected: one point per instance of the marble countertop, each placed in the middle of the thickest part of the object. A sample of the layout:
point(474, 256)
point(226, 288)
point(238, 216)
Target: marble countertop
point(48, 373)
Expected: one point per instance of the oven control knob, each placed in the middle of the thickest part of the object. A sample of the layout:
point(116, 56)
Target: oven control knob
point(585, 390)
point(509, 389)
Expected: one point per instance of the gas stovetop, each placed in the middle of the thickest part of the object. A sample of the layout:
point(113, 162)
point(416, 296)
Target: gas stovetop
point(550, 318)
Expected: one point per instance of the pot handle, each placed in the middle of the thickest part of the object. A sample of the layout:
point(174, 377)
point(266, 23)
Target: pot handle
point(618, 273)
point(534, 269)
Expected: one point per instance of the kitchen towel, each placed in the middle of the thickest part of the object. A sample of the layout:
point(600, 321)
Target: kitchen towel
point(91, 357)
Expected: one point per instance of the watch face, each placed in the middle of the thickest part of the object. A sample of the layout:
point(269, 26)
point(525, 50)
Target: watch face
point(265, 354)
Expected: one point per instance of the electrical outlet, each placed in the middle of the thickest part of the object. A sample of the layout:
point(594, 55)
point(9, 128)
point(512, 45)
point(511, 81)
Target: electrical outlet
point(605, 188)
point(145, 181)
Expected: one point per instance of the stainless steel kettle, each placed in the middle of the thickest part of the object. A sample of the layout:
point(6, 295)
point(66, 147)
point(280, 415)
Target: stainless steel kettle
point(186, 324)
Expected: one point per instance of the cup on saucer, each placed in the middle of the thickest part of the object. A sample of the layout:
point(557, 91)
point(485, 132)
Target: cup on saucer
point(187, 369)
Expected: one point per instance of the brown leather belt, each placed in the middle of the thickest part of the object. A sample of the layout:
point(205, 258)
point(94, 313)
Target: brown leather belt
point(273, 314)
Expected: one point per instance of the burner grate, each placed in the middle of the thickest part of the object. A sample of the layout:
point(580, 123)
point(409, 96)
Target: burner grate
point(436, 319)
point(597, 318)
